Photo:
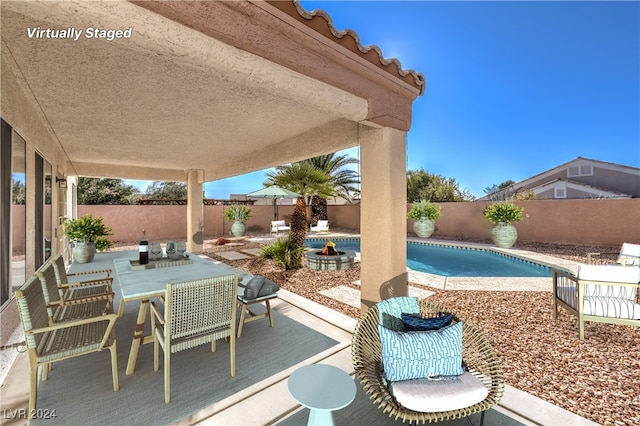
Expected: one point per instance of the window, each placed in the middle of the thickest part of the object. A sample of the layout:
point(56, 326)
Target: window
point(12, 211)
point(577, 171)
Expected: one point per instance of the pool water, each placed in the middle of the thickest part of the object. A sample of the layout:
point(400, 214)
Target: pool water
point(454, 261)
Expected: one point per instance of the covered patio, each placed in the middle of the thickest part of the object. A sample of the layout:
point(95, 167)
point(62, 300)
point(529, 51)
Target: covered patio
point(202, 91)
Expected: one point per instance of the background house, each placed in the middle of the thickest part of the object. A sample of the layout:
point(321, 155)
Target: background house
point(580, 178)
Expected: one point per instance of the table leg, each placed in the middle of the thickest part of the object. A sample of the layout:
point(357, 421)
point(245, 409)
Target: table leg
point(138, 337)
point(320, 418)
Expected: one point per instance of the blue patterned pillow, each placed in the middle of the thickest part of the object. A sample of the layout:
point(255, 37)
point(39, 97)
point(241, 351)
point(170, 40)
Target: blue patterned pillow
point(419, 355)
point(390, 310)
point(413, 322)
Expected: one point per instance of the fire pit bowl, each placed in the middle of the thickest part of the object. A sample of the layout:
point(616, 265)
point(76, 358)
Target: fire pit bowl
point(337, 262)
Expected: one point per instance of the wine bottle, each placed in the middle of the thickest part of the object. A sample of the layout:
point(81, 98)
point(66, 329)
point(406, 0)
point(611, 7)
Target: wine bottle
point(143, 249)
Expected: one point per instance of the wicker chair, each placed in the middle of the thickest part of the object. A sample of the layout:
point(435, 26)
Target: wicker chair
point(70, 302)
point(195, 312)
point(48, 343)
point(478, 357)
point(63, 275)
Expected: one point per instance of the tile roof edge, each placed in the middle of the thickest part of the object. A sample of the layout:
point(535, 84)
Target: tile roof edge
point(392, 66)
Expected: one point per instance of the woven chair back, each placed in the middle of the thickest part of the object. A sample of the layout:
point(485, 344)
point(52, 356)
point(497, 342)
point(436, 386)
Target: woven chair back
point(49, 286)
point(31, 305)
point(205, 307)
point(60, 270)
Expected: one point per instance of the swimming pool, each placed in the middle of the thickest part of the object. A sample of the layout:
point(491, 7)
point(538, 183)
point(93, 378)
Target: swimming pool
point(454, 261)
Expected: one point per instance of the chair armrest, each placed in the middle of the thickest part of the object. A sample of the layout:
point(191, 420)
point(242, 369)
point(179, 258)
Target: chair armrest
point(74, 323)
point(86, 299)
point(591, 255)
point(103, 281)
point(99, 271)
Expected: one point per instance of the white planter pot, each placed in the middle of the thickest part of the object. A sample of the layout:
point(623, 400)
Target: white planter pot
point(238, 229)
point(504, 235)
point(84, 252)
point(423, 228)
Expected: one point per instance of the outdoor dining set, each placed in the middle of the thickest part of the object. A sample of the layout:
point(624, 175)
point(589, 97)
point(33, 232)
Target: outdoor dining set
point(193, 301)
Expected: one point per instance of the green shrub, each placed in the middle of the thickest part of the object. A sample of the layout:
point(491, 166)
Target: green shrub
point(424, 209)
point(284, 252)
point(503, 213)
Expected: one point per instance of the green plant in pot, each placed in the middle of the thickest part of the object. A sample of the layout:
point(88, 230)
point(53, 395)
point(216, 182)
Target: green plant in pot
point(238, 214)
point(503, 215)
point(89, 234)
point(424, 215)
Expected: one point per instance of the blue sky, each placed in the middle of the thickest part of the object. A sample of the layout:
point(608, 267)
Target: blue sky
point(513, 88)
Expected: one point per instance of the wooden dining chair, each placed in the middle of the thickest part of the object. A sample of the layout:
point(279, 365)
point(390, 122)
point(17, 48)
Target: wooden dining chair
point(48, 343)
point(70, 302)
point(195, 312)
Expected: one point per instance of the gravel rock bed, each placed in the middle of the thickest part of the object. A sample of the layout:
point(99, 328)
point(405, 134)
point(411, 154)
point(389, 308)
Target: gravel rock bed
point(598, 378)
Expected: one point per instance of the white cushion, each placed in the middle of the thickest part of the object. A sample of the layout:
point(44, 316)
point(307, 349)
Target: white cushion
point(630, 254)
point(610, 273)
point(424, 395)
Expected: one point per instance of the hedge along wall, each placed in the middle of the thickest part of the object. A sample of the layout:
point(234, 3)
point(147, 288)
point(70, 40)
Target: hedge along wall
point(602, 222)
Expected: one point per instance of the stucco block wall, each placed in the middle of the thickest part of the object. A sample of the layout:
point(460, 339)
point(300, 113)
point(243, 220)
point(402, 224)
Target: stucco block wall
point(587, 221)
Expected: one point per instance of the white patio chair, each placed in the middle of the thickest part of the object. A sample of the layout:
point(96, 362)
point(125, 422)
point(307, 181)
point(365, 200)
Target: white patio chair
point(599, 293)
point(321, 227)
point(195, 312)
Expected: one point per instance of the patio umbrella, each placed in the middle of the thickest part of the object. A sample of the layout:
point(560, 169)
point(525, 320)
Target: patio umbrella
point(275, 192)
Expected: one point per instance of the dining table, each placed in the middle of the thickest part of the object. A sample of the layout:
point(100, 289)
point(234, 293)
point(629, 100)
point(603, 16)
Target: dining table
point(141, 283)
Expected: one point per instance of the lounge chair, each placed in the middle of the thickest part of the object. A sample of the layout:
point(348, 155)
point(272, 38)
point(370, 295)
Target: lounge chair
point(477, 389)
point(321, 228)
point(599, 293)
point(279, 225)
point(195, 312)
point(48, 343)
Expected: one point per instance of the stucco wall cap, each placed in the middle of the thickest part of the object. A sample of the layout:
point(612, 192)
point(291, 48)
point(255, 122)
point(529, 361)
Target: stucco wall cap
point(321, 22)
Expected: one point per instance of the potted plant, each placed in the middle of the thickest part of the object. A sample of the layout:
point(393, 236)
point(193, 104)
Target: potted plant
point(503, 215)
point(424, 214)
point(238, 214)
point(89, 234)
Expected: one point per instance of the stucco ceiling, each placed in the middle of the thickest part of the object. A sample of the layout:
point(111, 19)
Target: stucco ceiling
point(169, 98)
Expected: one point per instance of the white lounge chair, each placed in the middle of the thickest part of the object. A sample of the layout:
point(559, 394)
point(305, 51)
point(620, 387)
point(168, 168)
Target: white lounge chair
point(279, 225)
point(321, 227)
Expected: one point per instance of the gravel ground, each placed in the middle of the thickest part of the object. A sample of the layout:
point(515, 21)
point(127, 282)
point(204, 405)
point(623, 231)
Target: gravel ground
point(598, 378)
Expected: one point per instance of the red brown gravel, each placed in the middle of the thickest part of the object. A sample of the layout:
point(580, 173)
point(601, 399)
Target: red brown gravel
point(598, 378)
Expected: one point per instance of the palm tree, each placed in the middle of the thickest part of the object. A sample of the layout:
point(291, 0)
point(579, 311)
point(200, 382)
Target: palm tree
point(344, 181)
point(307, 181)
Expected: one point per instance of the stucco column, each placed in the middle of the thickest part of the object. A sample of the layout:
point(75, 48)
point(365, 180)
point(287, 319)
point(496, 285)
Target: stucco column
point(195, 211)
point(383, 209)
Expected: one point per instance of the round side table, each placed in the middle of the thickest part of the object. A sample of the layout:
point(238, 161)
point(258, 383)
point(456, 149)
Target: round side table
point(323, 389)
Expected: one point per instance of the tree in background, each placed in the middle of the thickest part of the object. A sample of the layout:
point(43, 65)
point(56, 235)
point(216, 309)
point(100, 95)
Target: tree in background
point(344, 181)
point(507, 192)
point(307, 181)
point(423, 185)
point(167, 190)
point(18, 192)
point(106, 191)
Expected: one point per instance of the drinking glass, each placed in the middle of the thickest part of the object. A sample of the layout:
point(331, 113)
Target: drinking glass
point(181, 247)
point(171, 249)
point(155, 250)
